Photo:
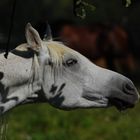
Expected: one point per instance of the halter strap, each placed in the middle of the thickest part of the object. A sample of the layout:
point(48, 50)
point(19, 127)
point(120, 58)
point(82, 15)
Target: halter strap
point(10, 28)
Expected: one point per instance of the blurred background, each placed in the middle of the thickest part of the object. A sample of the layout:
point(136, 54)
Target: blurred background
point(108, 36)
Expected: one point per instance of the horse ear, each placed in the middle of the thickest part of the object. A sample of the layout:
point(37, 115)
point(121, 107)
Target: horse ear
point(32, 37)
point(48, 33)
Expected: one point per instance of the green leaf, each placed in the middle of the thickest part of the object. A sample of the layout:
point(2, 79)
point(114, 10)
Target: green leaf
point(81, 12)
point(90, 6)
point(80, 8)
point(128, 2)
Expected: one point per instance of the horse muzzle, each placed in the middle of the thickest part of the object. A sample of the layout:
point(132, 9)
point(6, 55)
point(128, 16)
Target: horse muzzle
point(125, 97)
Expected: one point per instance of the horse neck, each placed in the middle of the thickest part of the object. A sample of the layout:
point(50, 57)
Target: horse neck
point(18, 70)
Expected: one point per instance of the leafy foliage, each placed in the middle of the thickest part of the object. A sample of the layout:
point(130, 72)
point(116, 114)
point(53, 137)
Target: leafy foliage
point(128, 2)
point(80, 7)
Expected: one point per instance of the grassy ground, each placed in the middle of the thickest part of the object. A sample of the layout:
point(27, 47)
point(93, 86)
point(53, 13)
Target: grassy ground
point(43, 122)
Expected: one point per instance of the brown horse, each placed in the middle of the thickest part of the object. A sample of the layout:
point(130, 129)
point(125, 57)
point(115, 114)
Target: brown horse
point(105, 45)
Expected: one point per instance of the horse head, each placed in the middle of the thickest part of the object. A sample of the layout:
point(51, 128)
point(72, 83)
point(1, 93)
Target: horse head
point(68, 80)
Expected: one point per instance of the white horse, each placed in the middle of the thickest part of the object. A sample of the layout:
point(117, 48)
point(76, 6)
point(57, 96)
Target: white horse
point(48, 71)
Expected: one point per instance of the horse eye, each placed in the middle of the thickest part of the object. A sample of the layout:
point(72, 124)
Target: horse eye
point(71, 62)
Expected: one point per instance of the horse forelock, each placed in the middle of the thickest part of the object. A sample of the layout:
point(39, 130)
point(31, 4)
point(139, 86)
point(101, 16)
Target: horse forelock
point(57, 50)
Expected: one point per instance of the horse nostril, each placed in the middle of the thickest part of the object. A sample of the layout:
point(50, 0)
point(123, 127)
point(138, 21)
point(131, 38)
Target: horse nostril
point(129, 88)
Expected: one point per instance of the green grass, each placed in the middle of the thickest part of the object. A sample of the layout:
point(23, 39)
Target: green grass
point(43, 122)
